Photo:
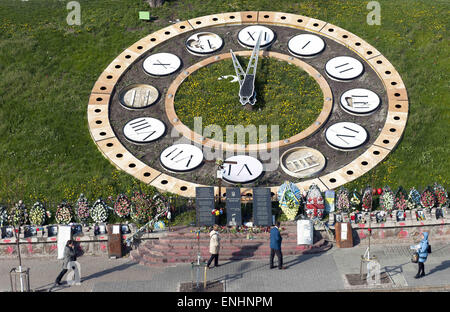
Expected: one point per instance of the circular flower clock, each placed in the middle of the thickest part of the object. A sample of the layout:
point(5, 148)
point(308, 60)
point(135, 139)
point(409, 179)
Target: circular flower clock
point(134, 121)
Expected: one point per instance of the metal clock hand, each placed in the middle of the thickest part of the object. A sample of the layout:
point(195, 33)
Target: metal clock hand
point(238, 68)
point(247, 90)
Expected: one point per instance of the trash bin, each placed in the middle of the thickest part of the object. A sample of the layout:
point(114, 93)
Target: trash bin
point(344, 236)
point(20, 279)
point(114, 241)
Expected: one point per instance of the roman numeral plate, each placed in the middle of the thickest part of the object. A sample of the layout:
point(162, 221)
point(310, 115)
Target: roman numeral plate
point(344, 68)
point(181, 157)
point(144, 130)
point(138, 96)
point(302, 162)
point(360, 101)
point(247, 36)
point(161, 64)
point(306, 45)
point(245, 170)
point(204, 43)
point(346, 135)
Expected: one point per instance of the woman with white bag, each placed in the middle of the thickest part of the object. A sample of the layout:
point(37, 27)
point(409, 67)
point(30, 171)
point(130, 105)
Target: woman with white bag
point(422, 250)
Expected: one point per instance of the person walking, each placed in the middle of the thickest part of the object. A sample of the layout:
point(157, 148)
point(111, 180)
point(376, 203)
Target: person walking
point(214, 246)
point(275, 246)
point(423, 254)
point(69, 255)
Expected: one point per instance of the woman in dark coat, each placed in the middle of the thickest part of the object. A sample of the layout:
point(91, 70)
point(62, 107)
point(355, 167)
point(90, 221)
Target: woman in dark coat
point(423, 254)
point(69, 255)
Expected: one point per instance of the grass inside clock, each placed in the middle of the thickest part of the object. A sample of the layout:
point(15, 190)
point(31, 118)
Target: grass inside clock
point(286, 96)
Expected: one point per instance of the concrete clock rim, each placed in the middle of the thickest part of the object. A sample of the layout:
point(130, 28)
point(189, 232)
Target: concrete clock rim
point(104, 137)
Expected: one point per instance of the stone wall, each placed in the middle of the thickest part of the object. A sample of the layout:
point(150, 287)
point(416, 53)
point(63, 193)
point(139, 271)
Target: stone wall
point(90, 242)
point(402, 232)
point(87, 242)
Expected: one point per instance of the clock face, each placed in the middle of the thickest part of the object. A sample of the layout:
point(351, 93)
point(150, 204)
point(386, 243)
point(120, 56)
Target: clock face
point(135, 121)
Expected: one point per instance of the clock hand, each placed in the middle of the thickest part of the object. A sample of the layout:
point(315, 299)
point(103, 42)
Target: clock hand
point(209, 43)
point(247, 90)
point(238, 68)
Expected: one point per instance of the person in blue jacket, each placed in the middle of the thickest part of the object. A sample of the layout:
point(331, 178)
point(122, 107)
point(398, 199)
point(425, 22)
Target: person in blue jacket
point(275, 246)
point(423, 254)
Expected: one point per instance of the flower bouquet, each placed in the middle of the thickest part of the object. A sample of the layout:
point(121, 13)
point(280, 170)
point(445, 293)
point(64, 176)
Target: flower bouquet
point(427, 199)
point(387, 199)
point(158, 206)
point(18, 214)
point(99, 211)
point(413, 199)
point(367, 199)
point(289, 197)
point(3, 216)
point(37, 214)
point(314, 202)
point(401, 198)
point(216, 212)
point(141, 208)
point(441, 195)
point(122, 206)
point(355, 200)
point(82, 208)
point(343, 203)
point(63, 213)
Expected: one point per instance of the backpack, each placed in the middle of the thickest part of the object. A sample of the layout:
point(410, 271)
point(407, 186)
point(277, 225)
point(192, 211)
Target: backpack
point(429, 248)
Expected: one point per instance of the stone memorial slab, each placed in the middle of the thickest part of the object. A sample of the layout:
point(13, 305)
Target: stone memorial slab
point(262, 206)
point(204, 204)
point(233, 205)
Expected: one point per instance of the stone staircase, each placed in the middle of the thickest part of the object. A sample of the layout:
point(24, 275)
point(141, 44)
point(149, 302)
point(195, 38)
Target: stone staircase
point(181, 246)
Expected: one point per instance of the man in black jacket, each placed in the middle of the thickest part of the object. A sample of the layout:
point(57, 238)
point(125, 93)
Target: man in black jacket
point(69, 255)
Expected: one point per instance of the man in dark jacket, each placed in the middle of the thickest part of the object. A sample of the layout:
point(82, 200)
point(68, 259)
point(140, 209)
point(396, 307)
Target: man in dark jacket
point(275, 246)
point(69, 255)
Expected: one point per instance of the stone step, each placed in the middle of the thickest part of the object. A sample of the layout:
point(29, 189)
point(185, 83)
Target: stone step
point(223, 240)
point(164, 260)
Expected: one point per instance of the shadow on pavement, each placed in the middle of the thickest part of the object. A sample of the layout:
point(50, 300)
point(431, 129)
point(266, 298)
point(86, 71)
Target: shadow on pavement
point(301, 258)
point(443, 266)
point(108, 271)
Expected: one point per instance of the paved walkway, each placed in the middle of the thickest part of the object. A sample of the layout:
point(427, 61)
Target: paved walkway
point(317, 272)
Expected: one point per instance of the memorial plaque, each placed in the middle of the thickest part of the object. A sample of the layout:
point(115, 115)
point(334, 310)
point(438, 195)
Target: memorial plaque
point(204, 204)
point(305, 232)
point(114, 241)
point(64, 234)
point(262, 206)
point(234, 215)
point(344, 235)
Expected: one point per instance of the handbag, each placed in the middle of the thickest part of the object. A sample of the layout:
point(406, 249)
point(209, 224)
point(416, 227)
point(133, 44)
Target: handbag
point(415, 257)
